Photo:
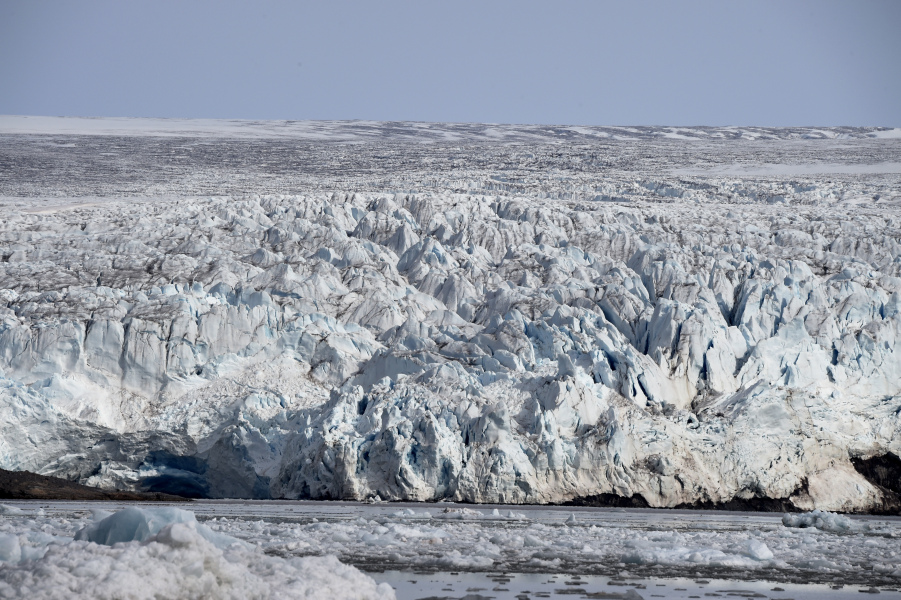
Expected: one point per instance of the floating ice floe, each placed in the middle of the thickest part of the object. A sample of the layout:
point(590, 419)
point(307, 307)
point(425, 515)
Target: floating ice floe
point(460, 514)
point(825, 521)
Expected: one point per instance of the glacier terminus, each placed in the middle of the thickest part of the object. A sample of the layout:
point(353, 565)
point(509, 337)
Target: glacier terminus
point(652, 317)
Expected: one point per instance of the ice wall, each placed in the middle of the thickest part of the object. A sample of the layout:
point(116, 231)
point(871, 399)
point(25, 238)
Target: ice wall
point(695, 345)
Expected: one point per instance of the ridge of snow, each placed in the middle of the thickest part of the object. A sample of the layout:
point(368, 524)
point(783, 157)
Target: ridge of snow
point(361, 130)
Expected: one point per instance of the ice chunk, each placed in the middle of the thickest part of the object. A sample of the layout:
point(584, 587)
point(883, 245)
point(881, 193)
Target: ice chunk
point(825, 521)
point(178, 534)
point(5, 509)
point(758, 550)
point(178, 562)
point(98, 514)
point(457, 560)
point(459, 514)
point(140, 524)
point(410, 514)
point(10, 551)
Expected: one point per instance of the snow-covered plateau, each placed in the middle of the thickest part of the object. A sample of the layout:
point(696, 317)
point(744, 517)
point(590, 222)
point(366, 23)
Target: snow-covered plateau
point(514, 317)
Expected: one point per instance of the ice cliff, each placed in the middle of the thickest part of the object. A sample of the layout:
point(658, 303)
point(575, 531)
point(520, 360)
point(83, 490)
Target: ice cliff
point(679, 341)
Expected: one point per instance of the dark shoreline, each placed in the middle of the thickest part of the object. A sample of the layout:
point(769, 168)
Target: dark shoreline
point(892, 508)
point(25, 485)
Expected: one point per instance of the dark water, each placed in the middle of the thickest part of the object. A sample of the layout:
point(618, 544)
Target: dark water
point(483, 586)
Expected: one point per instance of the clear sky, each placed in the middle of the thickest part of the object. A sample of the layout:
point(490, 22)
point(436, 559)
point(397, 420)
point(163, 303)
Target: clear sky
point(685, 62)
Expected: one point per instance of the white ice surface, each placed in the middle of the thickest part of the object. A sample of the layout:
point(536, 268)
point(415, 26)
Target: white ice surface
point(796, 170)
point(421, 538)
point(533, 323)
point(825, 521)
point(161, 553)
point(627, 352)
point(134, 524)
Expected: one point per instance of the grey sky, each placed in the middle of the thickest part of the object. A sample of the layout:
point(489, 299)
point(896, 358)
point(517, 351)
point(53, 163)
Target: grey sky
point(818, 62)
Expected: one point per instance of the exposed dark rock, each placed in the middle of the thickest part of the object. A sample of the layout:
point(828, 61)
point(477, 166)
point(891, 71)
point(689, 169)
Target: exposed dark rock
point(756, 504)
point(24, 485)
point(781, 505)
point(737, 504)
point(884, 472)
point(611, 500)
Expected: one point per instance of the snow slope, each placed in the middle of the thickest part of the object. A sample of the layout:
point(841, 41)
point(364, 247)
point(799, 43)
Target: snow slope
point(530, 324)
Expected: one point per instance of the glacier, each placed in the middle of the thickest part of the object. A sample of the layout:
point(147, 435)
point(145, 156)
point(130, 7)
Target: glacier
point(541, 319)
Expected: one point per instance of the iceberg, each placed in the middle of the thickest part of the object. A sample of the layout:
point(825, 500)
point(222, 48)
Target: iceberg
point(822, 520)
point(135, 524)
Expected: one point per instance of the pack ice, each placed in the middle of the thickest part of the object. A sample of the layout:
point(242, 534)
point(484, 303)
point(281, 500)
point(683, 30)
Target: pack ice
point(162, 553)
point(686, 340)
